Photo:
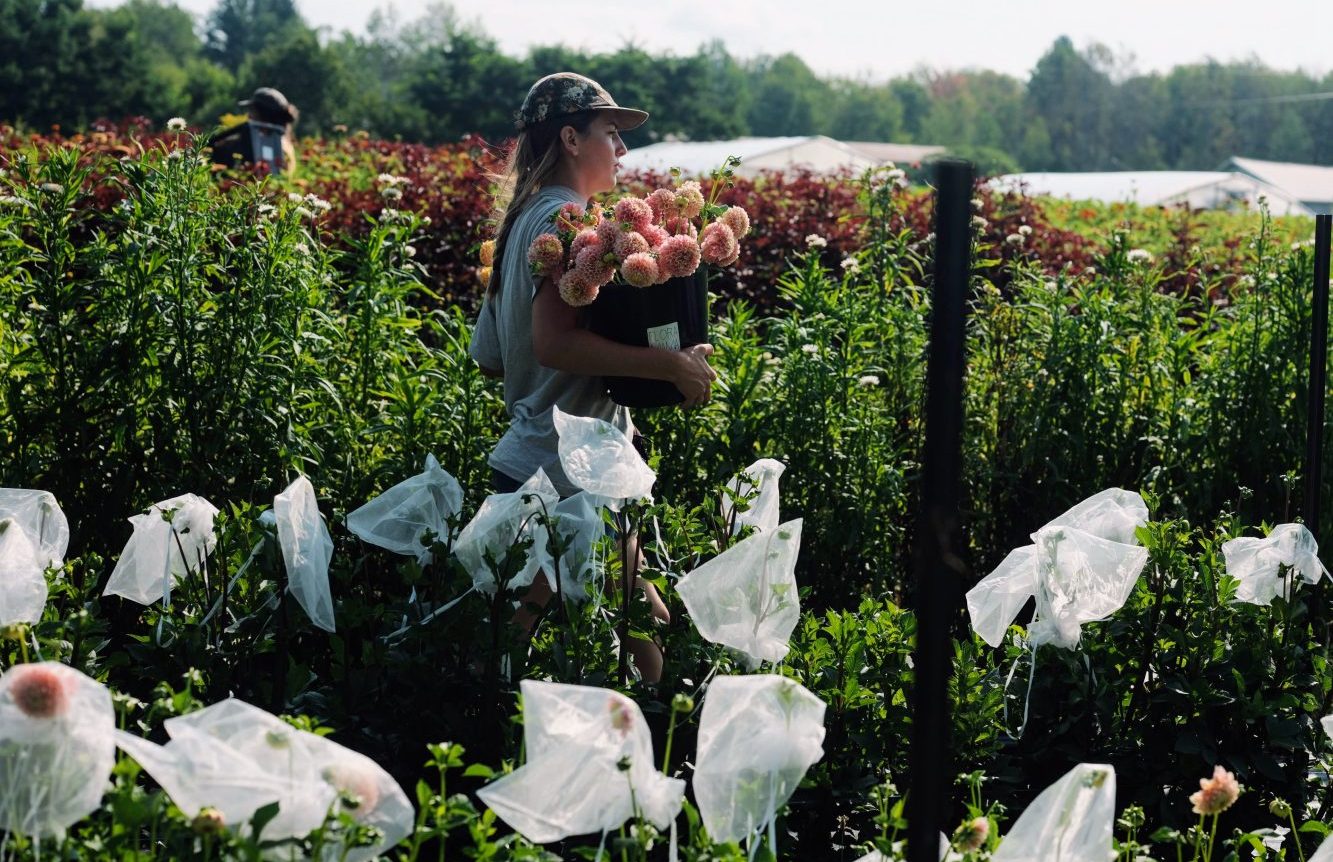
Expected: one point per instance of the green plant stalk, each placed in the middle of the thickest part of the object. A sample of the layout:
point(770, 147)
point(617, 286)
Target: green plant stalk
point(1295, 834)
point(666, 753)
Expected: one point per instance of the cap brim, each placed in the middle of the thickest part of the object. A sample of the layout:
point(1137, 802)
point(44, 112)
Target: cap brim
point(626, 118)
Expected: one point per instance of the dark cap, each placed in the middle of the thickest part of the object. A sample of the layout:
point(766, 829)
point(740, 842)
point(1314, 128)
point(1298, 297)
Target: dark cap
point(270, 105)
point(566, 93)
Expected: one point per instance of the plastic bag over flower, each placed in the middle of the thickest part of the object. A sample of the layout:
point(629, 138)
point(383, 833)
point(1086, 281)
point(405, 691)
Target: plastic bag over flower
point(759, 484)
point(306, 550)
point(577, 738)
point(1081, 567)
point(398, 519)
point(169, 542)
point(33, 535)
point(577, 521)
point(1071, 820)
point(746, 597)
point(236, 758)
point(757, 737)
point(502, 521)
point(1258, 563)
point(601, 459)
point(56, 747)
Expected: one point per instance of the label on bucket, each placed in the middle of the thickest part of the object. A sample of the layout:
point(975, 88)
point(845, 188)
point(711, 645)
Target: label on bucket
point(666, 336)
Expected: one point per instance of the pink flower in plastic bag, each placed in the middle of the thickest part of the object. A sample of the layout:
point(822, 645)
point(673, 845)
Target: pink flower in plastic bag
point(678, 256)
point(38, 691)
point(546, 254)
point(634, 212)
point(1215, 794)
point(622, 715)
point(359, 786)
point(640, 270)
point(738, 220)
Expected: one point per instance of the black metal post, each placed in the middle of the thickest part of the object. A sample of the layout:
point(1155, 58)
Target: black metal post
point(1314, 426)
point(938, 563)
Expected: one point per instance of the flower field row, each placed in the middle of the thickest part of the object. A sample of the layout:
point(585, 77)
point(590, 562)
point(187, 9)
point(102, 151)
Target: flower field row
point(163, 331)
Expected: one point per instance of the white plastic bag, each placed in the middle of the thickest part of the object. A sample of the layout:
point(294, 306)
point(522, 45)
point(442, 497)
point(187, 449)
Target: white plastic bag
point(578, 521)
point(502, 520)
point(237, 758)
point(1081, 567)
point(22, 577)
point(42, 520)
point(161, 552)
point(758, 482)
point(56, 748)
point(398, 519)
point(757, 737)
point(1325, 851)
point(1256, 563)
point(600, 458)
point(746, 597)
point(575, 737)
point(306, 550)
point(1071, 820)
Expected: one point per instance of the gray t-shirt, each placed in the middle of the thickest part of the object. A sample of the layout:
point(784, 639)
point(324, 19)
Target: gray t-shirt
point(502, 340)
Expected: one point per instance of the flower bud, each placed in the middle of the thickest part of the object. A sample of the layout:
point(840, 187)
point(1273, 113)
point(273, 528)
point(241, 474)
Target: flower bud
point(1279, 808)
point(682, 703)
point(209, 821)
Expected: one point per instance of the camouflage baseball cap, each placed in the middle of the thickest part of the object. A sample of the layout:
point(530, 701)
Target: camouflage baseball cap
point(566, 93)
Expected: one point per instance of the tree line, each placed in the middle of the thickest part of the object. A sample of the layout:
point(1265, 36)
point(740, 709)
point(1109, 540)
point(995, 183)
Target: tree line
point(439, 78)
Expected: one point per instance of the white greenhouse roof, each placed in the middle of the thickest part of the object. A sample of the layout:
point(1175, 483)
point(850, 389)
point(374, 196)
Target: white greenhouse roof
point(699, 158)
point(1198, 189)
point(1312, 184)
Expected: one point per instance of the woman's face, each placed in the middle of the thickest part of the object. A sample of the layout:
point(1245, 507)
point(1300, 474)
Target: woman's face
point(595, 156)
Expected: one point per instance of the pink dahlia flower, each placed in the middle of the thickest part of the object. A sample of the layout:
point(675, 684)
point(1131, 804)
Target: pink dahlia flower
point(678, 256)
point(1215, 794)
point(575, 291)
point(630, 243)
point(546, 254)
point(738, 220)
point(681, 226)
point(655, 235)
point(607, 231)
point(717, 243)
point(690, 199)
point(593, 268)
point(640, 269)
point(38, 692)
point(634, 212)
point(663, 204)
point(570, 217)
point(586, 238)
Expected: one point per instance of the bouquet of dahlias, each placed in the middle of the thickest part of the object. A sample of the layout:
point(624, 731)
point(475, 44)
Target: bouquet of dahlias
point(644, 241)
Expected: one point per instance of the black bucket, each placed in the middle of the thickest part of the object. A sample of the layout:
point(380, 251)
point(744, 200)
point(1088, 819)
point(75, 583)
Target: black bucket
point(673, 315)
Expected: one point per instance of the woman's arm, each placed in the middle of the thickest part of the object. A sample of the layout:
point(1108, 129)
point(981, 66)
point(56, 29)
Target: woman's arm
point(559, 342)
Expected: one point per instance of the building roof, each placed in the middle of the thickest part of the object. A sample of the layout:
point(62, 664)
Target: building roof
point(1198, 189)
point(902, 154)
point(1309, 183)
point(698, 158)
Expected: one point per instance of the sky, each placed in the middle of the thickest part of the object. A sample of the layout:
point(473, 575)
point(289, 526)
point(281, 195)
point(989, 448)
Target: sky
point(881, 39)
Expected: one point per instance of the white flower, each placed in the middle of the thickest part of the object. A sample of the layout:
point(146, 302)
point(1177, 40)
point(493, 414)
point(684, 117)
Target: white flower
point(390, 179)
point(895, 174)
point(176, 124)
point(1138, 255)
point(1052, 286)
point(425, 219)
point(1025, 230)
point(301, 249)
point(814, 240)
point(1014, 239)
point(979, 223)
point(976, 203)
point(303, 212)
point(174, 155)
point(810, 348)
point(294, 197)
point(410, 250)
point(930, 237)
point(266, 209)
point(851, 265)
point(1091, 270)
point(392, 193)
point(390, 214)
point(52, 188)
point(317, 202)
point(867, 380)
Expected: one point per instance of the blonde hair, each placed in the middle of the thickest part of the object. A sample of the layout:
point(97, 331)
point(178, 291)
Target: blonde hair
point(531, 163)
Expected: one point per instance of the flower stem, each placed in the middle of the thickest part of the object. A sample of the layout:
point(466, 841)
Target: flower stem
point(666, 754)
point(1211, 837)
point(1295, 835)
point(1198, 838)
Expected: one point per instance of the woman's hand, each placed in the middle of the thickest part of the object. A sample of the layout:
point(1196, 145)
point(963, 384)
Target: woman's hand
point(693, 376)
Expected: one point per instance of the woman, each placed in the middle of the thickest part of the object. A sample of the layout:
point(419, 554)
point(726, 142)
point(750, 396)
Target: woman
point(568, 150)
